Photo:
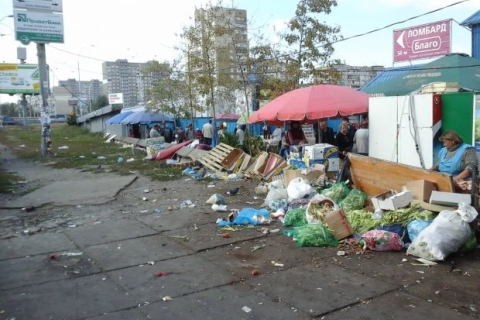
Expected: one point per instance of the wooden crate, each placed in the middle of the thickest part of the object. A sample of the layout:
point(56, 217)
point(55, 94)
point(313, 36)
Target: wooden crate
point(214, 158)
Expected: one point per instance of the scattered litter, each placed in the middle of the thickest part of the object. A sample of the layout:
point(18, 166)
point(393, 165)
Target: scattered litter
point(187, 179)
point(146, 191)
point(255, 272)
point(23, 146)
point(145, 199)
point(421, 272)
point(79, 206)
point(159, 210)
point(341, 253)
point(274, 230)
point(120, 160)
point(219, 207)
point(187, 204)
point(185, 238)
point(154, 200)
point(152, 263)
point(226, 235)
point(131, 160)
point(161, 274)
point(276, 264)
point(195, 227)
point(167, 298)
point(211, 186)
point(53, 256)
point(81, 157)
point(473, 308)
point(101, 158)
point(28, 209)
point(255, 248)
point(437, 292)
point(404, 260)
point(425, 261)
point(72, 254)
point(216, 198)
point(63, 148)
point(247, 309)
point(143, 211)
point(71, 225)
point(265, 231)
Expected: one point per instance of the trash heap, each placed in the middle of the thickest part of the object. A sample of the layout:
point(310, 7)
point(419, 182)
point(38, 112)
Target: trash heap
point(316, 211)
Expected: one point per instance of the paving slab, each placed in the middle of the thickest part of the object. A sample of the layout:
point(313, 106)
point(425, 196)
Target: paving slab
point(224, 303)
point(176, 219)
point(211, 236)
point(455, 285)
point(74, 192)
point(385, 266)
point(395, 305)
point(243, 257)
point(130, 314)
point(33, 270)
point(35, 244)
point(134, 252)
point(108, 231)
point(319, 288)
point(69, 299)
point(185, 275)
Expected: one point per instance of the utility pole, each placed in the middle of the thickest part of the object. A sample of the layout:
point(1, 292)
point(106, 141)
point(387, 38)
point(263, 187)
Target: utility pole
point(45, 117)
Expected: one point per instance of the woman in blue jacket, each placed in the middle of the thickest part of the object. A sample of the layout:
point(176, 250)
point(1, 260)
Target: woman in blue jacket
point(456, 157)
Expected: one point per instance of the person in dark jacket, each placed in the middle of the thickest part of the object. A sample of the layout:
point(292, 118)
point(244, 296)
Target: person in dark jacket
point(351, 128)
point(343, 141)
point(326, 133)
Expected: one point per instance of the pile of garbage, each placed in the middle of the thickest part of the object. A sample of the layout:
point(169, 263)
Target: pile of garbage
point(336, 213)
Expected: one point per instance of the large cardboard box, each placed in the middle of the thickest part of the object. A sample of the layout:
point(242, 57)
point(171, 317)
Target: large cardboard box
point(392, 201)
point(336, 221)
point(421, 189)
point(289, 175)
point(449, 198)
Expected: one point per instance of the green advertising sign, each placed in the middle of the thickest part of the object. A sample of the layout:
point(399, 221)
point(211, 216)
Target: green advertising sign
point(19, 78)
point(42, 27)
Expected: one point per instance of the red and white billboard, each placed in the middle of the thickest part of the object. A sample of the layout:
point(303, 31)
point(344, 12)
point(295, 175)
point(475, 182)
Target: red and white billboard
point(422, 42)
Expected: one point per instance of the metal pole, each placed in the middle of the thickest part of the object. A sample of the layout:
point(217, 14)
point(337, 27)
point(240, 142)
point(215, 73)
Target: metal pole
point(24, 110)
point(42, 68)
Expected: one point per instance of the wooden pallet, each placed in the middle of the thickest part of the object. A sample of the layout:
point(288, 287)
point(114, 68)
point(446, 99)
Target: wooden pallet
point(213, 159)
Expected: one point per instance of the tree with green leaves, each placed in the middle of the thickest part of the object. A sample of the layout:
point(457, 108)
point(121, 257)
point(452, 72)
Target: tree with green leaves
point(100, 102)
point(312, 42)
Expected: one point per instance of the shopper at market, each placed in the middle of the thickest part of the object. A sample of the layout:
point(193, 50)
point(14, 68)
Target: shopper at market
point(351, 128)
point(295, 135)
point(326, 133)
point(240, 134)
point(154, 131)
point(343, 141)
point(207, 131)
point(360, 140)
point(456, 157)
point(189, 133)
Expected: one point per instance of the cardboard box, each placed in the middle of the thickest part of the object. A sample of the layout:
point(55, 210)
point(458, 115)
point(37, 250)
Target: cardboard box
point(289, 175)
point(392, 201)
point(321, 151)
point(332, 164)
point(449, 198)
point(421, 189)
point(336, 221)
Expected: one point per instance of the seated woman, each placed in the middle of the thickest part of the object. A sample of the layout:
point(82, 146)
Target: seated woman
point(456, 157)
point(293, 137)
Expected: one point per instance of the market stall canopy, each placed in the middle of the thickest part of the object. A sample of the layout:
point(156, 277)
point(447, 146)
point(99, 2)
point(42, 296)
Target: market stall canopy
point(227, 116)
point(145, 117)
point(454, 67)
point(312, 103)
point(116, 119)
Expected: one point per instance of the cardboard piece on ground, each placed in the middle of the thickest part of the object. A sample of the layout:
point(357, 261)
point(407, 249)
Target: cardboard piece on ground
point(289, 175)
point(433, 207)
point(338, 223)
point(421, 189)
point(449, 198)
point(391, 201)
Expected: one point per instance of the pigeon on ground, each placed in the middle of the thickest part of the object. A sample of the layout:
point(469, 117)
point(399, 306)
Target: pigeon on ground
point(233, 191)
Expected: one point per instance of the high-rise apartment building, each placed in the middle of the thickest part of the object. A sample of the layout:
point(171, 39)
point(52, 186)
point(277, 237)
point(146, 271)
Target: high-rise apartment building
point(232, 47)
point(357, 77)
point(123, 77)
point(84, 92)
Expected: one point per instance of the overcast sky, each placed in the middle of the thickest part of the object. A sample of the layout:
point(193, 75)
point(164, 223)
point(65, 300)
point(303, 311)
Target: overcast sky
point(142, 30)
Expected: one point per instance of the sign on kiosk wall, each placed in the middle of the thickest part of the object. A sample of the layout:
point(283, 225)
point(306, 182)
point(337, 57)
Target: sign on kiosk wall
point(422, 42)
point(115, 98)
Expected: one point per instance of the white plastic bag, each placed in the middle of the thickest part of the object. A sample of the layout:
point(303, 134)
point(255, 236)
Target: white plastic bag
point(275, 194)
point(318, 199)
point(298, 188)
point(447, 233)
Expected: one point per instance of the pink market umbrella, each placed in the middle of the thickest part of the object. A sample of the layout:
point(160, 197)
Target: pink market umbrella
point(312, 103)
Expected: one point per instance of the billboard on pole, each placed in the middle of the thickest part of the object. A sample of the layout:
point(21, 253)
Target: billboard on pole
point(19, 78)
point(422, 42)
point(115, 98)
point(38, 26)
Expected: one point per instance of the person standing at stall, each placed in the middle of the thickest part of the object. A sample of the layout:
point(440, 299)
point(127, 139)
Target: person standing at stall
point(207, 131)
point(456, 157)
point(360, 140)
point(343, 141)
point(326, 133)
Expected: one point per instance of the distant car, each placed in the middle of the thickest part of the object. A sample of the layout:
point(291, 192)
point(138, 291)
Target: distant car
point(7, 121)
point(58, 118)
